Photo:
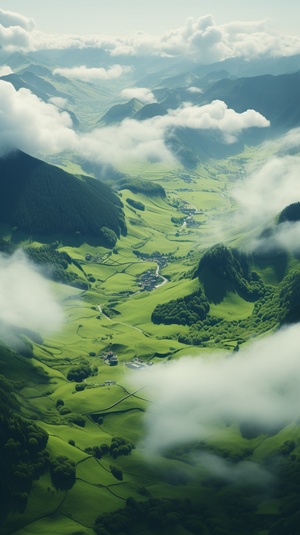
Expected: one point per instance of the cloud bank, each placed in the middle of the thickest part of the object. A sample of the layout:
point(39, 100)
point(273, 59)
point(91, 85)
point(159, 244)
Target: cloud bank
point(91, 74)
point(195, 396)
point(26, 300)
point(34, 126)
point(201, 39)
point(28, 123)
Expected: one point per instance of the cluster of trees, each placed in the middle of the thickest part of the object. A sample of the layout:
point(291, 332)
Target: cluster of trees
point(71, 417)
point(81, 372)
point(108, 237)
point(63, 472)
point(43, 199)
point(23, 456)
point(137, 185)
point(183, 311)
point(177, 220)
point(135, 204)
point(162, 516)
point(98, 451)
point(119, 446)
point(116, 472)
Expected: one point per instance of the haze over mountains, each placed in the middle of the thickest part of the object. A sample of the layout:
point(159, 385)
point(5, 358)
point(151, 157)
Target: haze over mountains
point(105, 136)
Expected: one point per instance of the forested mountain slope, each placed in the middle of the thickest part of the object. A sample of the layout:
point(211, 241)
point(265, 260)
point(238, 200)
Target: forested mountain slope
point(41, 198)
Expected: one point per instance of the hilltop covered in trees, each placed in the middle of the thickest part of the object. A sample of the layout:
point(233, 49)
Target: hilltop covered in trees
point(40, 198)
point(137, 185)
point(232, 269)
point(224, 271)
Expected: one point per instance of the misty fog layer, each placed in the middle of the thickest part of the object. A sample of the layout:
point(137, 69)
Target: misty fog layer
point(26, 299)
point(34, 126)
point(259, 385)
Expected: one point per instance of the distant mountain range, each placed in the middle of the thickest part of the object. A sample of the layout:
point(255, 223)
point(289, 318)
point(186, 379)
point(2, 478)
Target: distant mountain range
point(270, 86)
point(275, 97)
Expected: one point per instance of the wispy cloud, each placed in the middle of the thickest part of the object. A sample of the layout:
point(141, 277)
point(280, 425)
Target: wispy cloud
point(194, 396)
point(283, 237)
point(193, 89)
point(26, 298)
point(87, 74)
point(247, 472)
point(269, 187)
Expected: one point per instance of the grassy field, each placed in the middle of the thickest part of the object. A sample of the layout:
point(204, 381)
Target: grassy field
point(125, 327)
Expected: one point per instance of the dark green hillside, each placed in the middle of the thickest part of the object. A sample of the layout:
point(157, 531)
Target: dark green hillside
point(39, 198)
point(275, 97)
point(222, 269)
point(290, 213)
point(193, 146)
point(37, 83)
point(119, 112)
point(19, 83)
point(150, 110)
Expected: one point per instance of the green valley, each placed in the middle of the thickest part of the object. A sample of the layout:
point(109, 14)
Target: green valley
point(149, 280)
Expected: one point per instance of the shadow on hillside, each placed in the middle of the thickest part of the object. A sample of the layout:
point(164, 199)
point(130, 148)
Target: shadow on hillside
point(276, 260)
point(214, 287)
point(72, 240)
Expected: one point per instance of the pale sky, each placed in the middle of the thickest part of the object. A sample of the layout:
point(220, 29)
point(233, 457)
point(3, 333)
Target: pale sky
point(155, 16)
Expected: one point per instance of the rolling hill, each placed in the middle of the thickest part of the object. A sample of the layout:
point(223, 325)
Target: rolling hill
point(40, 198)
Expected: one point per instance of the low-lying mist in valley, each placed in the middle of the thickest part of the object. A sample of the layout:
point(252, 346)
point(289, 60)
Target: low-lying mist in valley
point(198, 397)
point(26, 299)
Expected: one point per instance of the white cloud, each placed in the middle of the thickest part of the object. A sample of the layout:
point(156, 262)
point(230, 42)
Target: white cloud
point(146, 139)
point(28, 123)
point(9, 18)
point(26, 299)
point(203, 40)
point(267, 189)
point(59, 102)
point(216, 116)
point(199, 38)
point(91, 74)
point(290, 142)
point(5, 70)
point(193, 89)
point(141, 93)
point(194, 396)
